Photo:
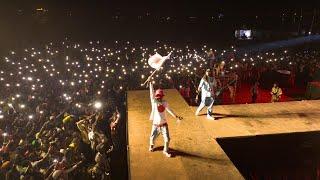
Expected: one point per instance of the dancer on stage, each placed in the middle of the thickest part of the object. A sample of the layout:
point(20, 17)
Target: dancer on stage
point(276, 93)
point(159, 119)
point(207, 86)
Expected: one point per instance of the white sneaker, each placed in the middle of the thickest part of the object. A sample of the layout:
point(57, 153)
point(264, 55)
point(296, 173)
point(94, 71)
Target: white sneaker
point(210, 117)
point(151, 148)
point(167, 154)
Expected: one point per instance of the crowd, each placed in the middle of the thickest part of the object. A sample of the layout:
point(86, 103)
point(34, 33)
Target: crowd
point(56, 123)
point(61, 104)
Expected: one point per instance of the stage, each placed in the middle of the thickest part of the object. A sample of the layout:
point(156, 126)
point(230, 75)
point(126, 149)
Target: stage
point(263, 119)
point(193, 140)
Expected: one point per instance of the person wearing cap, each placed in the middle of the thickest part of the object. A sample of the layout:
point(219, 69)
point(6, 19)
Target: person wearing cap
point(207, 85)
point(159, 119)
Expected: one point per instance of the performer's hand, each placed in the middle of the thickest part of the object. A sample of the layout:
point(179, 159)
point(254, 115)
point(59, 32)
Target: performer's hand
point(149, 79)
point(148, 82)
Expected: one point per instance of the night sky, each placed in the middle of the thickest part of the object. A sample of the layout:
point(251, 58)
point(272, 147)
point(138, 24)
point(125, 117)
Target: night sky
point(164, 7)
point(195, 20)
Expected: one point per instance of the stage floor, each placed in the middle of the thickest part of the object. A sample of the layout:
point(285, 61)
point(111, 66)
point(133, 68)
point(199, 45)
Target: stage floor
point(197, 154)
point(263, 119)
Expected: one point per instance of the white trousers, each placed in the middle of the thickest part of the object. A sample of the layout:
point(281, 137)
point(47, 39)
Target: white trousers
point(164, 130)
point(202, 105)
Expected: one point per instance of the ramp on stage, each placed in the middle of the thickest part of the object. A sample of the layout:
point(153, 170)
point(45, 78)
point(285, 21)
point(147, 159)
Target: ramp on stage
point(197, 154)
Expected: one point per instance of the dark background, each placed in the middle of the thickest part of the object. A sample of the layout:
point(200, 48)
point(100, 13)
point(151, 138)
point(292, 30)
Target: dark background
point(281, 156)
point(215, 21)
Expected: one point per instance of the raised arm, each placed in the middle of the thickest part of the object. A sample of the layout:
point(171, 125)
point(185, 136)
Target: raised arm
point(73, 167)
point(151, 90)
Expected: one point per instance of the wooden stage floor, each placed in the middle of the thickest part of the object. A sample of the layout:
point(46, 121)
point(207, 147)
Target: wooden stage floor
point(193, 140)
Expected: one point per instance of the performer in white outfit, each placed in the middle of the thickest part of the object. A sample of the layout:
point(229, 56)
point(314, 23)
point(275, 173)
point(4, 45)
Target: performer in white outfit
point(207, 86)
point(159, 119)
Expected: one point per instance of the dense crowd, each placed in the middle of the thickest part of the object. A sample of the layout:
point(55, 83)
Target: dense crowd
point(55, 122)
point(61, 104)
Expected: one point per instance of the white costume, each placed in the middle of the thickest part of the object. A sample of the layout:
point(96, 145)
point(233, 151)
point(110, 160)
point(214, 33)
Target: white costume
point(159, 120)
point(207, 94)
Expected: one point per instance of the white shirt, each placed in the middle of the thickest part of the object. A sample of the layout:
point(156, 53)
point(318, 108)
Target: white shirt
point(158, 112)
point(158, 109)
point(207, 89)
